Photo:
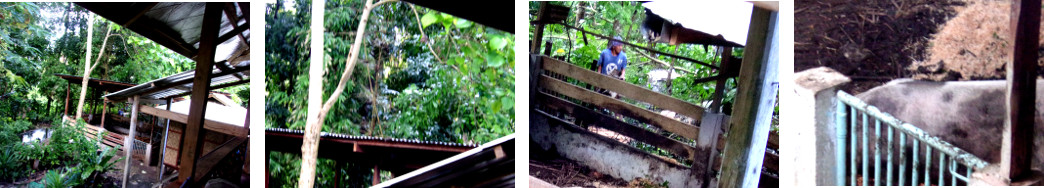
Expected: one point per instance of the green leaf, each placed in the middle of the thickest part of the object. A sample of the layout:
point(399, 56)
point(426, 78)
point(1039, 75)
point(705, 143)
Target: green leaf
point(462, 23)
point(508, 102)
point(494, 60)
point(429, 18)
point(497, 42)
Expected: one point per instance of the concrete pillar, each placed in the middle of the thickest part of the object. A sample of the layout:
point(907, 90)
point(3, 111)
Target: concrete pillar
point(815, 109)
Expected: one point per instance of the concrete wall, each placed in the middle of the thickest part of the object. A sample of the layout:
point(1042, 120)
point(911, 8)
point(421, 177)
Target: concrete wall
point(606, 155)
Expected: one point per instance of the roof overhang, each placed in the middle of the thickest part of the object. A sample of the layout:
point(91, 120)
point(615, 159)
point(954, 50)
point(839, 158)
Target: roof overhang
point(106, 85)
point(177, 25)
point(181, 84)
point(489, 165)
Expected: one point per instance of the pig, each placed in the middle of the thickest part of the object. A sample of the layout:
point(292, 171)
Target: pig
point(967, 114)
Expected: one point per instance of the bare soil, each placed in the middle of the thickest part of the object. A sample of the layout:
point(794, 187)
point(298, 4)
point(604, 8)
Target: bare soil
point(568, 173)
point(870, 41)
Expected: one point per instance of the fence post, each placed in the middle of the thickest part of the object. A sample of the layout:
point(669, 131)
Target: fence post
point(816, 91)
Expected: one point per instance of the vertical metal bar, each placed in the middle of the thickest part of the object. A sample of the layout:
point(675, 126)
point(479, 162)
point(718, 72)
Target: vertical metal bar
point(842, 136)
point(852, 155)
point(866, 155)
point(913, 174)
point(877, 152)
point(902, 159)
point(927, 164)
point(942, 163)
point(953, 179)
point(889, 159)
point(968, 173)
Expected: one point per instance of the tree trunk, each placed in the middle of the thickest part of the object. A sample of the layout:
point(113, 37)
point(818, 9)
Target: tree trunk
point(88, 66)
point(317, 112)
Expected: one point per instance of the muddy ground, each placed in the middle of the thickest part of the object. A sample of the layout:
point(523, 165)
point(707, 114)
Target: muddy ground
point(870, 41)
point(874, 42)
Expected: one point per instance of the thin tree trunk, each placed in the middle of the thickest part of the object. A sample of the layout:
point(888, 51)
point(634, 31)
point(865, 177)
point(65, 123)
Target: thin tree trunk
point(310, 147)
point(88, 66)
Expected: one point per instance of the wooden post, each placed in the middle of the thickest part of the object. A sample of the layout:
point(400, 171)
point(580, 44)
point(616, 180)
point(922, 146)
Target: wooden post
point(376, 175)
point(193, 135)
point(719, 86)
point(105, 108)
point(538, 33)
point(748, 134)
point(128, 142)
point(163, 150)
point(1017, 145)
point(68, 87)
point(703, 160)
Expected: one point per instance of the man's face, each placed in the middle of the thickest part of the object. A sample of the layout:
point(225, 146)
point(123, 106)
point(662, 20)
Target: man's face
point(617, 49)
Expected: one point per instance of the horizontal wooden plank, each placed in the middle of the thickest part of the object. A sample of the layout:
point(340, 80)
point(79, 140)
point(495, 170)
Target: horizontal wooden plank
point(234, 130)
point(623, 88)
point(655, 119)
point(626, 129)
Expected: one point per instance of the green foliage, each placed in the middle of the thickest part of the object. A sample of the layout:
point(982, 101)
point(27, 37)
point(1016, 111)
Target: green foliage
point(92, 167)
point(454, 83)
point(56, 179)
point(10, 164)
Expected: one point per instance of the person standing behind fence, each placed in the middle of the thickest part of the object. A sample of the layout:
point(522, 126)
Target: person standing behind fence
point(612, 61)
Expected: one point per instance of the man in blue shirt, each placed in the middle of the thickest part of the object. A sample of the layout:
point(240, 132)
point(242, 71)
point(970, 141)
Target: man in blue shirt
point(612, 61)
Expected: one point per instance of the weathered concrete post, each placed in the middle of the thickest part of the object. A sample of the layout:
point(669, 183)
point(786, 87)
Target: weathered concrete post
point(816, 91)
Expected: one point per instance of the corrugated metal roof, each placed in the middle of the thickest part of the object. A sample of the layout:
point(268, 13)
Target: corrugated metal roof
point(177, 25)
point(353, 137)
point(489, 165)
point(180, 83)
point(107, 85)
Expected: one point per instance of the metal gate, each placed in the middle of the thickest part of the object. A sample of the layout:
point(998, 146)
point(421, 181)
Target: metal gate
point(854, 133)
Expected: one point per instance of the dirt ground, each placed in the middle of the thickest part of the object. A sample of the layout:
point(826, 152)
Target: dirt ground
point(567, 173)
point(872, 42)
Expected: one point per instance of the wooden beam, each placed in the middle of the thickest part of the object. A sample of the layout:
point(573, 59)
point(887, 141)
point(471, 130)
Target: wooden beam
point(230, 13)
point(142, 9)
point(623, 88)
point(719, 86)
point(748, 133)
point(1017, 144)
point(645, 48)
point(626, 129)
point(538, 31)
point(211, 159)
point(224, 100)
point(128, 142)
point(200, 87)
point(236, 31)
point(661, 62)
point(210, 125)
point(597, 99)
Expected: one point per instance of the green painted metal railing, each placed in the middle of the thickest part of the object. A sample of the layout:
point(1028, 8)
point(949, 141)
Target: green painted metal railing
point(950, 157)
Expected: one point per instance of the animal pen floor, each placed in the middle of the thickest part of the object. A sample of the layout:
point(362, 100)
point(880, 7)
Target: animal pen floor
point(141, 175)
point(874, 42)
